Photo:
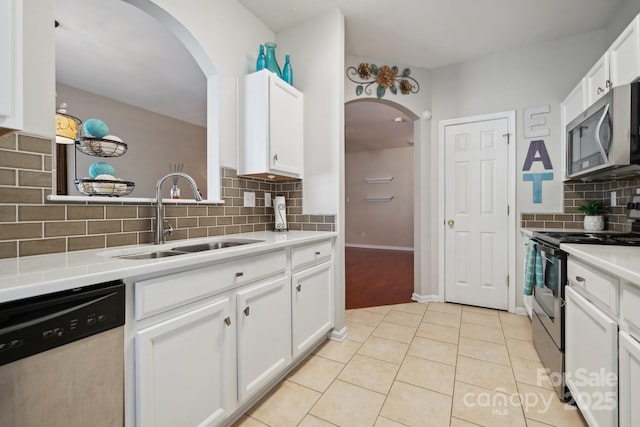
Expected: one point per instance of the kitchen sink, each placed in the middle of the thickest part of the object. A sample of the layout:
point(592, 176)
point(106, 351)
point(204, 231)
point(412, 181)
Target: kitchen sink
point(215, 245)
point(189, 249)
point(152, 255)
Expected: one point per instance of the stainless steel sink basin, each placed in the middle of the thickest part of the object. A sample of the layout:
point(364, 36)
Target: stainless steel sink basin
point(189, 249)
point(214, 245)
point(152, 255)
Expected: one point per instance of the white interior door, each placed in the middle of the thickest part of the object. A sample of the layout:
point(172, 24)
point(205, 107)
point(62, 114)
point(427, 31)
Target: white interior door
point(476, 216)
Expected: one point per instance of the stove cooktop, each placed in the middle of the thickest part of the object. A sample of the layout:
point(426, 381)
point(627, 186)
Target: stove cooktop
point(599, 238)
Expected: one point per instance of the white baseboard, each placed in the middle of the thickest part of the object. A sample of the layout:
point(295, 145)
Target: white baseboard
point(338, 335)
point(527, 306)
point(425, 298)
point(388, 248)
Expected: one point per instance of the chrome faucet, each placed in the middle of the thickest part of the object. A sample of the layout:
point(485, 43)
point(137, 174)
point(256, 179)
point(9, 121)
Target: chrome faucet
point(160, 231)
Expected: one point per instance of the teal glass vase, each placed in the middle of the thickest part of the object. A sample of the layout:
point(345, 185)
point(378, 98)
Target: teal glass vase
point(261, 62)
point(271, 61)
point(287, 72)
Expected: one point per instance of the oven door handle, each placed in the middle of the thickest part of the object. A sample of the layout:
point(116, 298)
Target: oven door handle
point(548, 249)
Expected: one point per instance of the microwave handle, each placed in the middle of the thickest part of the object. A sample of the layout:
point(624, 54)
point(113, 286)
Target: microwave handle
point(598, 126)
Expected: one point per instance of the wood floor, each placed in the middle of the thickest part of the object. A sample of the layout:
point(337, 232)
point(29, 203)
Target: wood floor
point(377, 277)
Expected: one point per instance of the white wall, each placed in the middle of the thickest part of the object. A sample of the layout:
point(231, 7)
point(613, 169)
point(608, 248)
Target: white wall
point(388, 225)
point(538, 75)
point(317, 57)
point(317, 54)
point(416, 103)
point(154, 141)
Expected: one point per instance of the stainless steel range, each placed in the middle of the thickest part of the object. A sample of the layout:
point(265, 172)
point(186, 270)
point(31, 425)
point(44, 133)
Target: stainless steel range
point(548, 301)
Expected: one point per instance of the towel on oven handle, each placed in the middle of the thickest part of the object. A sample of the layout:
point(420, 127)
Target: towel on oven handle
point(533, 273)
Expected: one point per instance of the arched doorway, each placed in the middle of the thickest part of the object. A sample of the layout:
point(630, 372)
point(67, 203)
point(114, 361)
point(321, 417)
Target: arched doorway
point(379, 197)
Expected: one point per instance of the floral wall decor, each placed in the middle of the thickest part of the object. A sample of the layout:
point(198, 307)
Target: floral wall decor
point(386, 77)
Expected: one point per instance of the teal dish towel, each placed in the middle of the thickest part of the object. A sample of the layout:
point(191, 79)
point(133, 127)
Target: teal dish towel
point(533, 274)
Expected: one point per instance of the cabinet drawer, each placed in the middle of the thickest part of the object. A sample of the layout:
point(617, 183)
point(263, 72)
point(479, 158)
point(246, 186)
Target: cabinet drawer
point(160, 294)
point(597, 284)
point(312, 254)
point(630, 309)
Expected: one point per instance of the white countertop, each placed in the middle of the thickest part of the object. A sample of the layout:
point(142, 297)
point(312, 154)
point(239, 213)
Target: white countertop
point(40, 274)
point(622, 261)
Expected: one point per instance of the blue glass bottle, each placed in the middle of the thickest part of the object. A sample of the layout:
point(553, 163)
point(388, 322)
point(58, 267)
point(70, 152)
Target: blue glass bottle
point(287, 72)
point(261, 61)
point(272, 63)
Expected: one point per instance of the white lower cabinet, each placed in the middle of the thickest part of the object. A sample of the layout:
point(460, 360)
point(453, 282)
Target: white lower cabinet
point(629, 383)
point(185, 368)
point(208, 340)
point(311, 306)
point(591, 360)
point(264, 333)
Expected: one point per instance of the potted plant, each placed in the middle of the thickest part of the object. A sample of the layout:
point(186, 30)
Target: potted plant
point(593, 215)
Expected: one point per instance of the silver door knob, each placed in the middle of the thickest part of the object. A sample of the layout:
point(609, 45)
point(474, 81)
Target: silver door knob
point(450, 223)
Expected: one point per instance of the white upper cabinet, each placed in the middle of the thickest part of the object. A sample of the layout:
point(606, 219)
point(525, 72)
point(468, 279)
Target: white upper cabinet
point(575, 103)
point(270, 127)
point(597, 80)
point(624, 55)
point(11, 115)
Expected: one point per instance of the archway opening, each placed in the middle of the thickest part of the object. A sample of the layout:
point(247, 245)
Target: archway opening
point(379, 203)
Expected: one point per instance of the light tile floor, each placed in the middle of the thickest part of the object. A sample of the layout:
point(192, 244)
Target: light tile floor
point(420, 365)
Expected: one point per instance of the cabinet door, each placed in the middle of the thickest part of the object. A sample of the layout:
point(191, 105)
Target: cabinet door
point(629, 385)
point(597, 80)
point(624, 55)
point(574, 104)
point(185, 369)
point(264, 333)
point(312, 306)
point(591, 360)
point(11, 64)
point(285, 127)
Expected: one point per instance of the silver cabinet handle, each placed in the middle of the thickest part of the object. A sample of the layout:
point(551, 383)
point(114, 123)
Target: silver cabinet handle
point(275, 158)
point(299, 287)
point(227, 321)
point(580, 279)
point(247, 311)
point(607, 84)
point(317, 253)
point(600, 90)
point(239, 274)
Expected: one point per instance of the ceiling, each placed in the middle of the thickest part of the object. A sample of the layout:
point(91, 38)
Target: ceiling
point(113, 49)
point(434, 33)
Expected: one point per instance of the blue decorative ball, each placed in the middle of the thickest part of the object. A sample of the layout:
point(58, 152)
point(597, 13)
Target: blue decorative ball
point(101, 168)
point(95, 127)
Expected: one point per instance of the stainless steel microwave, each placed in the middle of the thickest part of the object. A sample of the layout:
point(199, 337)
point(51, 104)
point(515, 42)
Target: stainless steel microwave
point(604, 141)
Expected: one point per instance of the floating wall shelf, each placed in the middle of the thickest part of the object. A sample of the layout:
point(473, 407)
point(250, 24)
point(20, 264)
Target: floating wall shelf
point(382, 180)
point(385, 199)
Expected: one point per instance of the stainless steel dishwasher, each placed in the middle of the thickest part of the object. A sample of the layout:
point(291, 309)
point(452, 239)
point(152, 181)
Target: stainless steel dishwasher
point(62, 358)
